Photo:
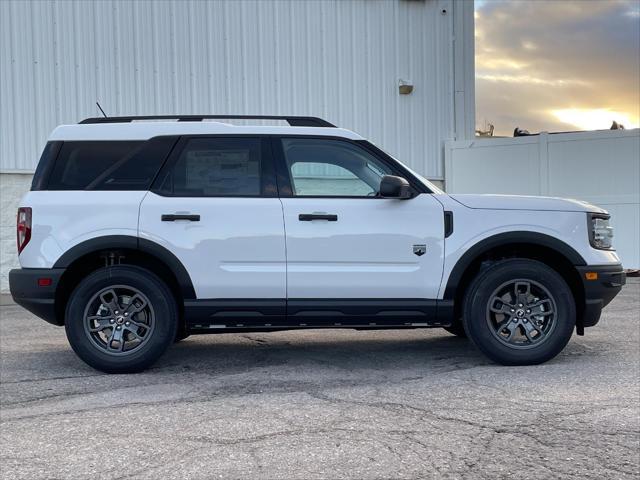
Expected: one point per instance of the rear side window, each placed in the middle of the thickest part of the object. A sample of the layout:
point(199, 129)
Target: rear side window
point(215, 167)
point(102, 165)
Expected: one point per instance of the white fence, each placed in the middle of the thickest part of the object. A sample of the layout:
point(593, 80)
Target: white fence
point(600, 167)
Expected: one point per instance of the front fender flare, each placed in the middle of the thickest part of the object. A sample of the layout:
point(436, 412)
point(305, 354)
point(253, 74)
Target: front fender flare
point(507, 238)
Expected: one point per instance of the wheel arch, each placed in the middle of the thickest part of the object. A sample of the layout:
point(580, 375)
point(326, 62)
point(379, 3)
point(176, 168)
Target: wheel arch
point(522, 244)
point(92, 254)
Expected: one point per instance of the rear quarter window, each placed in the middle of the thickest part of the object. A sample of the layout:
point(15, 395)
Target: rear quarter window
point(109, 165)
point(46, 163)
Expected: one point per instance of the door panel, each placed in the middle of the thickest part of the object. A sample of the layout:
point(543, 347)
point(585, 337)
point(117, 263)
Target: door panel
point(235, 250)
point(368, 251)
point(214, 206)
point(346, 242)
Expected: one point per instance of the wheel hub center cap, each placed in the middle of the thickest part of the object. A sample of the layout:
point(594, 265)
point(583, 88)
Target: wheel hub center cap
point(119, 319)
point(520, 313)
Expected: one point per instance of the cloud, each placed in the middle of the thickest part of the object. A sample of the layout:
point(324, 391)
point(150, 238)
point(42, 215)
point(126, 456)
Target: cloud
point(528, 79)
point(535, 58)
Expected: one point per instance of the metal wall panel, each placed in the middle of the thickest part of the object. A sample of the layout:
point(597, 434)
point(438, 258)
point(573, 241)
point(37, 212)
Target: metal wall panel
point(340, 60)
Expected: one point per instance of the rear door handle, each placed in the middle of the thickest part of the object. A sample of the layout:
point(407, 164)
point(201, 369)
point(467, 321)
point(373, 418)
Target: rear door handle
point(172, 217)
point(307, 217)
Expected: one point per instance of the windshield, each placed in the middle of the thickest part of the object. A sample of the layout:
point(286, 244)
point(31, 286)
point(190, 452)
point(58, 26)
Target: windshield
point(426, 182)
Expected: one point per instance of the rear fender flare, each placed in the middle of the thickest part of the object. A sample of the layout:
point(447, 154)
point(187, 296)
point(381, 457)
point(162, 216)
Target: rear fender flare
point(114, 242)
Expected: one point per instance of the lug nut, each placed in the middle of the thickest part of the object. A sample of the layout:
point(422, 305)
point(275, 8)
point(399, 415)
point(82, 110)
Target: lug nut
point(127, 323)
point(119, 327)
point(111, 321)
point(117, 312)
point(520, 305)
point(525, 320)
point(513, 310)
point(528, 311)
point(126, 314)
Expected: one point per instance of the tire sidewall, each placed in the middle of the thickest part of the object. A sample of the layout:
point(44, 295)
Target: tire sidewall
point(158, 294)
point(479, 295)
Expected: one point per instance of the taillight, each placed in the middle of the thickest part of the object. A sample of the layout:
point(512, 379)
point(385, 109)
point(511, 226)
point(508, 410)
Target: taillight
point(23, 228)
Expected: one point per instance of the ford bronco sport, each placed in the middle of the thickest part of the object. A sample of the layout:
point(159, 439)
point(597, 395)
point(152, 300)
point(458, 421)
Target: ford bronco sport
point(139, 231)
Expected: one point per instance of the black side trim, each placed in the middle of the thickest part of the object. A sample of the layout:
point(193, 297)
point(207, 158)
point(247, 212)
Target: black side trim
point(366, 311)
point(231, 313)
point(114, 242)
point(448, 223)
point(270, 314)
point(522, 237)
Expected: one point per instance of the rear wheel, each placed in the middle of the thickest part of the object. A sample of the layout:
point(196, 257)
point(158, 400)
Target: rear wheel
point(121, 319)
point(519, 312)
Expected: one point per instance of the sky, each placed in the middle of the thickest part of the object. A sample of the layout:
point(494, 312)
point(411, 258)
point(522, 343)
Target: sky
point(554, 65)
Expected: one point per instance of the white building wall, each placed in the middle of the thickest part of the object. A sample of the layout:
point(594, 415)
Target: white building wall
point(600, 167)
point(340, 60)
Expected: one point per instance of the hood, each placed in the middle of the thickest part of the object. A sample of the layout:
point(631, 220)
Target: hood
point(522, 202)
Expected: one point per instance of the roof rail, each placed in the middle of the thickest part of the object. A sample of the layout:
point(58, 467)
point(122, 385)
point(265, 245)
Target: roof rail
point(293, 121)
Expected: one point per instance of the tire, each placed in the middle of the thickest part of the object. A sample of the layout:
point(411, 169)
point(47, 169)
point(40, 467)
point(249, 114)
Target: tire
point(128, 297)
point(539, 319)
point(457, 329)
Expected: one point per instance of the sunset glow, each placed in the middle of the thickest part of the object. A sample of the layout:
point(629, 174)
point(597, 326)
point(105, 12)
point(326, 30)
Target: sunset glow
point(597, 119)
point(557, 66)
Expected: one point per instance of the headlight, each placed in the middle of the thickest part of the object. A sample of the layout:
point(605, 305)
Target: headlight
point(600, 232)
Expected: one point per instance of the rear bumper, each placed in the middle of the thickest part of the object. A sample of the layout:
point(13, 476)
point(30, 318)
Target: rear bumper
point(598, 293)
point(23, 284)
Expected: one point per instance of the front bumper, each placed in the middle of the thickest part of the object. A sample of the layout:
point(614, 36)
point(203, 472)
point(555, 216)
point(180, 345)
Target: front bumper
point(39, 300)
point(599, 292)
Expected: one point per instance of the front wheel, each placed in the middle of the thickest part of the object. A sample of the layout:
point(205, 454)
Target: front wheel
point(519, 312)
point(121, 319)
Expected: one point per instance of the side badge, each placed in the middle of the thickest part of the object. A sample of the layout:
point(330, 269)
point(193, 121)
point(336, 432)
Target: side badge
point(419, 250)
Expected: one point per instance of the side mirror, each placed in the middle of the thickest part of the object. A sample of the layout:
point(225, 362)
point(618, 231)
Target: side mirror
point(394, 187)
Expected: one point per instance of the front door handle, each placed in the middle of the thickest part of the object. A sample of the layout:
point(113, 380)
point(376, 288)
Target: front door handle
point(172, 217)
point(307, 217)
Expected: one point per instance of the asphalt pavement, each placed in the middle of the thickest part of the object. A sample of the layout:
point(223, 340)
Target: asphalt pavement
point(323, 404)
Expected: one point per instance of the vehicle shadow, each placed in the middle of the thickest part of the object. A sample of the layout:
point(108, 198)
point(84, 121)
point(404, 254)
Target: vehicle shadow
point(393, 350)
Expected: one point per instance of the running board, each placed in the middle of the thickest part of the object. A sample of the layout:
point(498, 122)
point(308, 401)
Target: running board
point(217, 315)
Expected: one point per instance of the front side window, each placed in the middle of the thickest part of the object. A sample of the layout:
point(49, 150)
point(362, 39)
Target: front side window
point(214, 167)
point(332, 168)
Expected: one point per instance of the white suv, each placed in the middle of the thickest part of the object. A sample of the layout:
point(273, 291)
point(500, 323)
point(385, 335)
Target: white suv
point(139, 231)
